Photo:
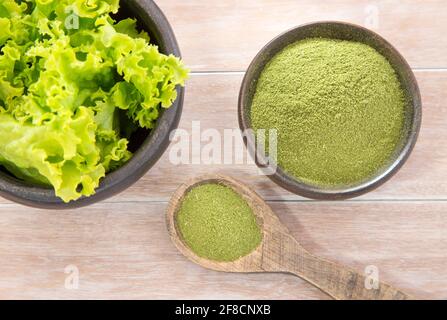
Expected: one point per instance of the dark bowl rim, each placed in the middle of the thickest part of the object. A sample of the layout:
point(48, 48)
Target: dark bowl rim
point(310, 191)
point(143, 159)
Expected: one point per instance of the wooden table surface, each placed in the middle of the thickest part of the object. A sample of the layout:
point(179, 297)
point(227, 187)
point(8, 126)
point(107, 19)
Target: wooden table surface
point(120, 248)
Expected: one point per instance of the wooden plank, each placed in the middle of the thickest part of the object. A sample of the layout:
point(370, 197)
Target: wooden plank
point(125, 252)
point(212, 100)
point(226, 35)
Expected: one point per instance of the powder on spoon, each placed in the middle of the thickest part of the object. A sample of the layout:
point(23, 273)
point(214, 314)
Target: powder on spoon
point(217, 223)
point(338, 108)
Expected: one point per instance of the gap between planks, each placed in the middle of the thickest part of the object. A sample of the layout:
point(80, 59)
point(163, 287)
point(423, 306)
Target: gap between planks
point(234, 72)
point(290, 201)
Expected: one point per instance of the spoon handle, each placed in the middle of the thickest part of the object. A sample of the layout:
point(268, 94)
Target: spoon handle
point(338, 281)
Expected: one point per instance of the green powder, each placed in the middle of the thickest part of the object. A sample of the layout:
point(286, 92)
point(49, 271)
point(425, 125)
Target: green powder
point(338, 108)
point(217, 223)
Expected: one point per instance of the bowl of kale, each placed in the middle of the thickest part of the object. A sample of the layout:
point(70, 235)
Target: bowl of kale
point(90, 91)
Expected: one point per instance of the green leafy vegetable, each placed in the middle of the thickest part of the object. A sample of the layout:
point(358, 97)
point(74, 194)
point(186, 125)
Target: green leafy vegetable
point(67, 73)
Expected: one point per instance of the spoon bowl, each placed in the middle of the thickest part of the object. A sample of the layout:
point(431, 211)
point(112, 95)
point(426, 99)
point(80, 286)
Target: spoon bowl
point(279, 251)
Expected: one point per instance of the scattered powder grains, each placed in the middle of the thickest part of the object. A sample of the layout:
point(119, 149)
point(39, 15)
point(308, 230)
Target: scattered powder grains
point(338, 107)
point(217, 223)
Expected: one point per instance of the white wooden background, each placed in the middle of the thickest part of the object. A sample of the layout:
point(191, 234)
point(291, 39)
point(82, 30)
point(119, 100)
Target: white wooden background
point(121, 247)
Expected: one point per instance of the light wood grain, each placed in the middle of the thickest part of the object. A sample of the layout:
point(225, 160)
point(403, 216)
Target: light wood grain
point(212, 100)
point(226, 35)
point(124, 251)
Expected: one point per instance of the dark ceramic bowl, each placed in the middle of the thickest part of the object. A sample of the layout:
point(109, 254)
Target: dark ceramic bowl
point(147, 146)
point(343, 31)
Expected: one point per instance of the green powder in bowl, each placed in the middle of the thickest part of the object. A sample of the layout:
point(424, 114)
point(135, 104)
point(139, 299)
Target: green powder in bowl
point(217, 223)
point(338, 108)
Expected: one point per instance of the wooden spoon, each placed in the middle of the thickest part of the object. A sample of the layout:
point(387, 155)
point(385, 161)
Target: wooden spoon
point(279, 251)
